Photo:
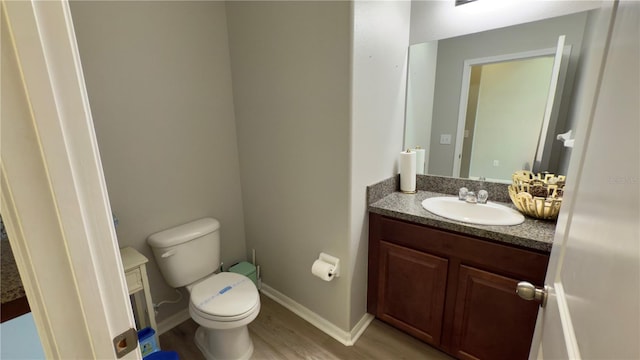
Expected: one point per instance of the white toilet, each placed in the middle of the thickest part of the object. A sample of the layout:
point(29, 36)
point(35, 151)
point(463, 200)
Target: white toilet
point(223, 304)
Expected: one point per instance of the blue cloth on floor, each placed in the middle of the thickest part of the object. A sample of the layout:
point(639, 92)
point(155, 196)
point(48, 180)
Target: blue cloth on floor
point(162, 355)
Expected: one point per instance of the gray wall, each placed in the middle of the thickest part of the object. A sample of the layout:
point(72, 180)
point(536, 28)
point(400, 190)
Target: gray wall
point(166, 112)
point(291, 78)
point(453, 52)
point(159, 83)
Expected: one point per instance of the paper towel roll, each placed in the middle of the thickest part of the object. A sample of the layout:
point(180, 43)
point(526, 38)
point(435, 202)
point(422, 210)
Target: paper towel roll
point(323, 270)
point(420, 153)
point(408, 171)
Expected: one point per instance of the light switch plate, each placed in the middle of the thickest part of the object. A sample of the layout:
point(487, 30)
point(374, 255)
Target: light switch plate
point(445, 139)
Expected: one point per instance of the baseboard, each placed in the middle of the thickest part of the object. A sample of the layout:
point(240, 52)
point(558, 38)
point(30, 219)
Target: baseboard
point(347, 338)
point(360, 327)
point(173, 321)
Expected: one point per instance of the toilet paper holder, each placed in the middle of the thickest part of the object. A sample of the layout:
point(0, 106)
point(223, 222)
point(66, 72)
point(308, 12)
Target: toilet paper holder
point(333, 261)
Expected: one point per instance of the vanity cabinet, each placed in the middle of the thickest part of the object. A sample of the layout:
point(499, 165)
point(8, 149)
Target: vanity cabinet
point(453, 291)
point(412, 290)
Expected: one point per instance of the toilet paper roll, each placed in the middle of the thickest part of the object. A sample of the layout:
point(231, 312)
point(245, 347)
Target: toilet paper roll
point(408, 171)
point(323, 270)
point(420, 153)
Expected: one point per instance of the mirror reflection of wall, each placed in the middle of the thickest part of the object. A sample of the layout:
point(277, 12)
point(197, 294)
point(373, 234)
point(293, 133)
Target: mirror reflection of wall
point(508, 104)
point(421, 81)
point(433, 114)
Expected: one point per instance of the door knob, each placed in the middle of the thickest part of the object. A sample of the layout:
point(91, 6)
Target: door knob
point(528, 291)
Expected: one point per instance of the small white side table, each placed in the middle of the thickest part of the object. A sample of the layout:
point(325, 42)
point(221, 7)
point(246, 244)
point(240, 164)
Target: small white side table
point(135, 270)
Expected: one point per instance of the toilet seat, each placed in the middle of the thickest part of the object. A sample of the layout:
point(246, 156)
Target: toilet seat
point(224, 297)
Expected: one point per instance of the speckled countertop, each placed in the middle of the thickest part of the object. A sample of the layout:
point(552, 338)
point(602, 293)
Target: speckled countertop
point(11, 285)
point(532, 234)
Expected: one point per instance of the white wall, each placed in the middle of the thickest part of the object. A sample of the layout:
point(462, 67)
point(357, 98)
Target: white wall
point(435, 20)
point(159, 83)
point(380, 48)
point(291, 76)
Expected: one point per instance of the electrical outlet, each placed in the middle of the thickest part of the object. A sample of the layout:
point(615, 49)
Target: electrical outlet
point(496, 163)
point(445, 139)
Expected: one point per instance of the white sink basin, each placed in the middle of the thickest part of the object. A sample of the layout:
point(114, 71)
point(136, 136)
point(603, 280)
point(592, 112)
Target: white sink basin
point(482, 214)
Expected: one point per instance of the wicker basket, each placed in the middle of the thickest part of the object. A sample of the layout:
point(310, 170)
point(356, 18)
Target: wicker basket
point(538, 196)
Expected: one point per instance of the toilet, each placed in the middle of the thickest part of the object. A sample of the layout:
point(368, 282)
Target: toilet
point(223, 303)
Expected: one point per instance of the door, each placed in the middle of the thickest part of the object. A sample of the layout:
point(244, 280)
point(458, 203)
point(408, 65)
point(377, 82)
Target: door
point(52, 191)
point(412, 290)
point(592, 307)
point(490, 321)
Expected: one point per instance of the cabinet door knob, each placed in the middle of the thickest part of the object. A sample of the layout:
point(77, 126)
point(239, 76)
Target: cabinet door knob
point(528, 291)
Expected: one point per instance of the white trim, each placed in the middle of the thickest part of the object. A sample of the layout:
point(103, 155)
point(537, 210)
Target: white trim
point(59, 197)
point(347, 338)
point(551, 112)
point(555, 73)
point(360, 327)
point(571, 343)
point(173, 321)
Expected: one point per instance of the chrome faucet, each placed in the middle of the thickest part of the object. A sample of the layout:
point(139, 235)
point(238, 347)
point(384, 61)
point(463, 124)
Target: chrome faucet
point(469, 196)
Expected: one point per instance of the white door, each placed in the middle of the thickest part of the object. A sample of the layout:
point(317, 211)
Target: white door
point(593, 307)
point(53, 196)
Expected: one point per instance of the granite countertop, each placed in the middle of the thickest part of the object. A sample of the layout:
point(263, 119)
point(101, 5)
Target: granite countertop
point(11, 284)
point(532, 234)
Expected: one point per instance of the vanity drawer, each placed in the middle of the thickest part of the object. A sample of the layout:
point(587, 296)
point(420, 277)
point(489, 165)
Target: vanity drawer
point(507, 260)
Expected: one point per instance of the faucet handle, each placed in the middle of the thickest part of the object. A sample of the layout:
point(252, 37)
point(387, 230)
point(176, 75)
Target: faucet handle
point(462, 193)
point(483, 196)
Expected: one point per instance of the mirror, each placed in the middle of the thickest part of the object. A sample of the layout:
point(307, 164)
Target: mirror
point(487, 104)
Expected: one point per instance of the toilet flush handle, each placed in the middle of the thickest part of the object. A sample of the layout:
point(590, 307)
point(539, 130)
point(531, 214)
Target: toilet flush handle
point(168, 253)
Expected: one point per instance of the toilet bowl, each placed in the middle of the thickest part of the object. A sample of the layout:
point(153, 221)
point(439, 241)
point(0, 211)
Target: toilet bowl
point(224, 303)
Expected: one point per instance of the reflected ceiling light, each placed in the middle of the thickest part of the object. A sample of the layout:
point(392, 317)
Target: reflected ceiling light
point(462, 2)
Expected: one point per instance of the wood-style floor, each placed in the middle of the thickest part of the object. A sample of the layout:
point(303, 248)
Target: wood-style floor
point(277, 333)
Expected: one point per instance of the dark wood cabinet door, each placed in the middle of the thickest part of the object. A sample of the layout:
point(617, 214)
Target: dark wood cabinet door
point(411, 291)
point(491, 321)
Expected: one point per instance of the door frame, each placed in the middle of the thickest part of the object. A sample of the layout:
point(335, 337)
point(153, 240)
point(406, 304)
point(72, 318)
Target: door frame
point(466, 82)
point(64, 240)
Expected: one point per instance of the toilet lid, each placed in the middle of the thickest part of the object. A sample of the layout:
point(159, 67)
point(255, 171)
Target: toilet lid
point(225, 295)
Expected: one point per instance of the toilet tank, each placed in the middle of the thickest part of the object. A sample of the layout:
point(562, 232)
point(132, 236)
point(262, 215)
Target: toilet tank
point(187, 252)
